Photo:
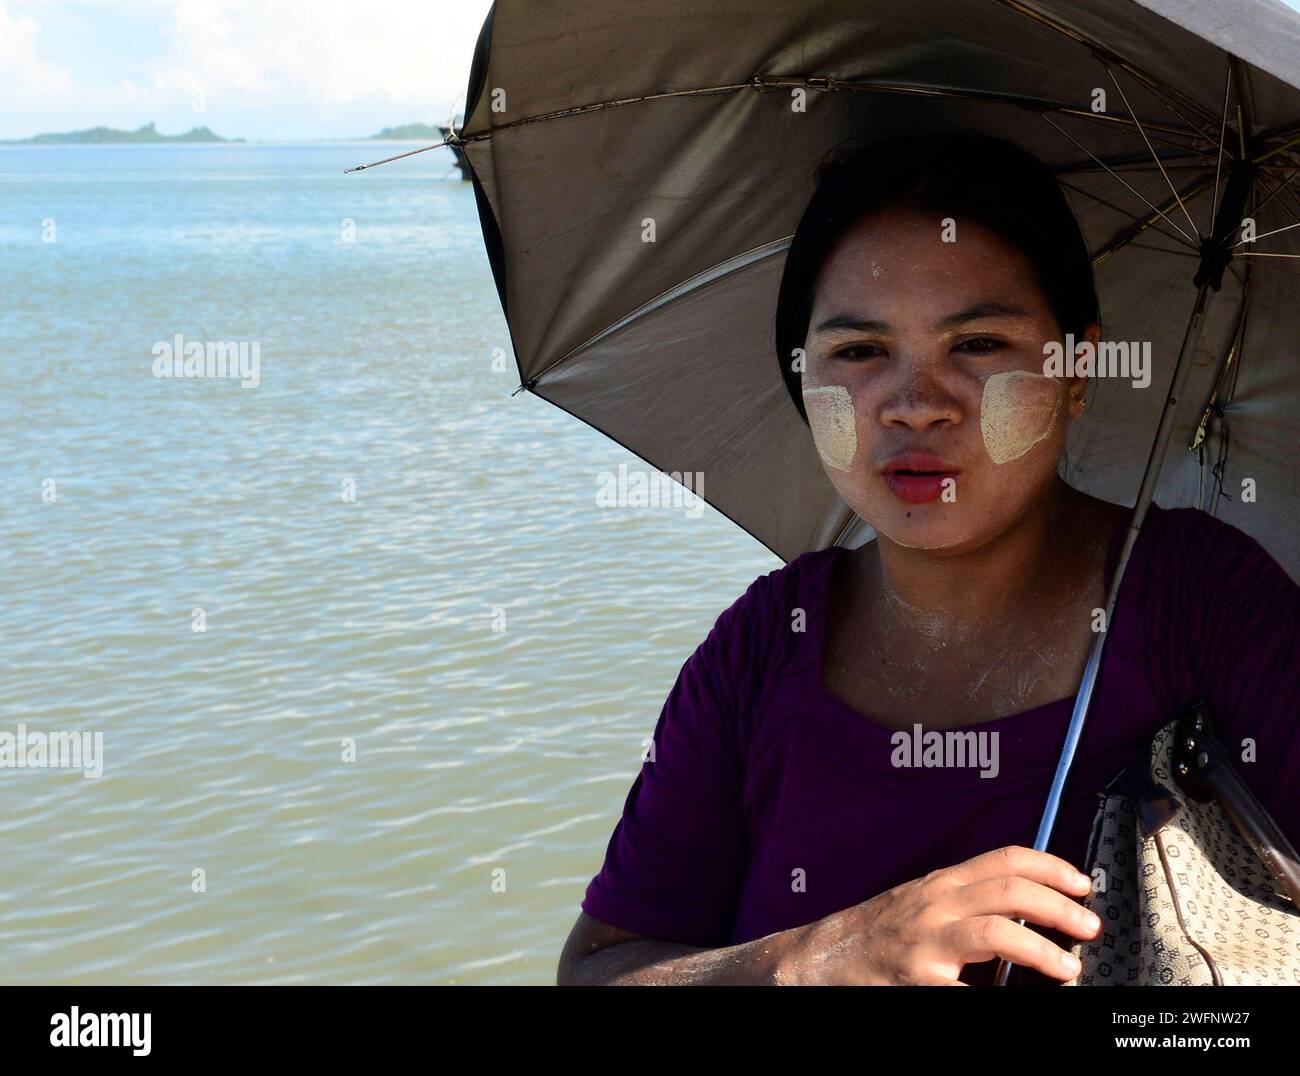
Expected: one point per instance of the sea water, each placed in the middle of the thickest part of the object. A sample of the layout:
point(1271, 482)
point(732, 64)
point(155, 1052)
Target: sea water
point(372, 666)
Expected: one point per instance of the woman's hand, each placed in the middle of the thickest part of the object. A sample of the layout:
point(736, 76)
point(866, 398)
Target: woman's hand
point(925, 931)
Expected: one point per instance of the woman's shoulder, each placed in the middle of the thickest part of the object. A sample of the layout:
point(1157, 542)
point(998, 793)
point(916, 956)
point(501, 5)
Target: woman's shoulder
point(1171, 541)
point(1206, 589)
point(777, 617)
point(780, 594)
point(1194, 545)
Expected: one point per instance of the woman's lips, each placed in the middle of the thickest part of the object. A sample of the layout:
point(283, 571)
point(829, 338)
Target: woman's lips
point(915, 489)
point(917, 478)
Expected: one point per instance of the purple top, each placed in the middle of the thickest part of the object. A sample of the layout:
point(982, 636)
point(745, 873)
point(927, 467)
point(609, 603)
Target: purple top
point(759, 772)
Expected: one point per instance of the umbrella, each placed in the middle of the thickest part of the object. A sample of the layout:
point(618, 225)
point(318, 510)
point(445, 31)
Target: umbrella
point(587, 121)
point(639, 171)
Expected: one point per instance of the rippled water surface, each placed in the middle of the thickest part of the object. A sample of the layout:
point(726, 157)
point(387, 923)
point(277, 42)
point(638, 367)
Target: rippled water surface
point(327, 617)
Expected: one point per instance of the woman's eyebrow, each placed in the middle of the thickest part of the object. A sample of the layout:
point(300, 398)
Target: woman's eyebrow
point(989, 308)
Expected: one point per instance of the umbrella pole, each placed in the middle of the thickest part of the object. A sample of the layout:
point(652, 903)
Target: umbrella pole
point(1149, 477)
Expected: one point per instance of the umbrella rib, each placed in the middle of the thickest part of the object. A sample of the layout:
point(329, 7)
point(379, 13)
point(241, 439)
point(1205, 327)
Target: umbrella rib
point(1218, 158)
point(1147, 222)
point(762, 84)
point(1281, 187)
point(1085, 149)
point(813, 82)
point(1135, 160)
point(1173, 190)
point(849, 525)
point(1277, 149)
point(1291, 212)
point(1034, 104)
point(1265, 235)
point(1164, 250)
point(677, 291)
point(451, 140)
point(1099, 50)
point(1084, 168)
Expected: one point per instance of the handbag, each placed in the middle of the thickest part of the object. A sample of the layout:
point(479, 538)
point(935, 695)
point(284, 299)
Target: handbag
point(1194, 882)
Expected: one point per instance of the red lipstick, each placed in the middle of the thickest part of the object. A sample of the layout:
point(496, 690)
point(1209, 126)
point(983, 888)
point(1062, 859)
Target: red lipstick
point(916, 477)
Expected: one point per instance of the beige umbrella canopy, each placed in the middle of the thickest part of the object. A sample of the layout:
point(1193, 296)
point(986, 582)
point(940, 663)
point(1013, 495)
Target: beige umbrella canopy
point(640, 169)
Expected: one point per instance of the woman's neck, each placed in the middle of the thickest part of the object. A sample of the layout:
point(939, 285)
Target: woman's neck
point(958, 597)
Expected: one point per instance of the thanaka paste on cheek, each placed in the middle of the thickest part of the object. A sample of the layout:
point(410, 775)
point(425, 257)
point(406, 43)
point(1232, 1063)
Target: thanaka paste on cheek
point(833, 424)
point(1018, 409)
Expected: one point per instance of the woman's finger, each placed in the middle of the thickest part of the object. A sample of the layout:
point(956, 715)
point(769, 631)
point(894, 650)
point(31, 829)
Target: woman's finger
point(1042, 867)
point(972, 941)
point(1022, 898)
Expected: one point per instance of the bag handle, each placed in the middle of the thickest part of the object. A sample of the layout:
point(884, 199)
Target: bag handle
point(1203, 769)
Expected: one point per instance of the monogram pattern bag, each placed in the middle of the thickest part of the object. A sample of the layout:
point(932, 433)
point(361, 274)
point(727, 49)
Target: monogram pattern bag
point(1196, 884)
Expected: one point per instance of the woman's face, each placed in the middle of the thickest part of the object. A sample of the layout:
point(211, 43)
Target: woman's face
point(923, 380)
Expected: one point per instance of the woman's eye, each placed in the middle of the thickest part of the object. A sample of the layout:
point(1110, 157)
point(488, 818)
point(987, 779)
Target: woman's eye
point(856, 351)
point(980, 344)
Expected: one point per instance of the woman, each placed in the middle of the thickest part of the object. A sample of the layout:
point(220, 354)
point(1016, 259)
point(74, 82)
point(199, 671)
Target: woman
point(793, 823)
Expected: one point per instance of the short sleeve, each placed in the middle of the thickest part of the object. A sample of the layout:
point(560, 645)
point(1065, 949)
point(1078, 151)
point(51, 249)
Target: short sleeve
point(1246, 612)
point(678, 855)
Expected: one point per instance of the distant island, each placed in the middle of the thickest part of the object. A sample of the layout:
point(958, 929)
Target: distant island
point(407, 132)
point(147, 133)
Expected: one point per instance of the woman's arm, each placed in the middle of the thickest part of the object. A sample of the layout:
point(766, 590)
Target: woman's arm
point(597, 954)
point(921, 933)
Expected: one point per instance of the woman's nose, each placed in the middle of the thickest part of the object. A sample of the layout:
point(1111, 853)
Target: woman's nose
point(920, 402)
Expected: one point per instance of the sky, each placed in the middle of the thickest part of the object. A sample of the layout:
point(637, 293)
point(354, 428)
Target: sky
point(256, 69)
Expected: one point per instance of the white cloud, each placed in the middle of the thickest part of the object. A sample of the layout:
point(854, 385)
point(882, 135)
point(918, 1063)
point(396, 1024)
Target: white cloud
point(264, 68)
point(330, 52)
point(26, 78)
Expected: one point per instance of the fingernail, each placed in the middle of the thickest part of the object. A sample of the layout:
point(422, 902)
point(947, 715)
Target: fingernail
point(1070, 963)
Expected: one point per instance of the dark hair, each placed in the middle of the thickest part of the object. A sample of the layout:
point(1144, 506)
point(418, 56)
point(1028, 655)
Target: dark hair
point(966, 175)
